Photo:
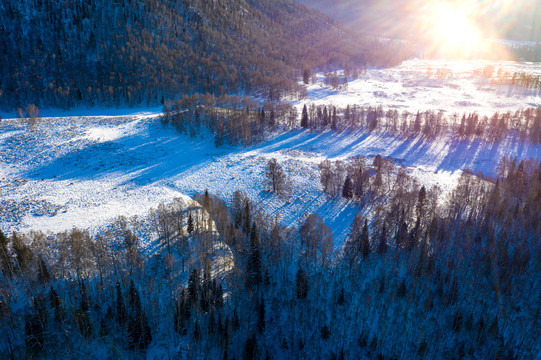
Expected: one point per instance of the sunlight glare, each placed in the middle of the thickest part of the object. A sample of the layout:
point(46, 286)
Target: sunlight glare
point(452, 30)
point(453, 27)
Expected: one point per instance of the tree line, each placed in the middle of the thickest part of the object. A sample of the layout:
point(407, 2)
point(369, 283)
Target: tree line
point(230, 119)
point(242, 120)
point(525, 124)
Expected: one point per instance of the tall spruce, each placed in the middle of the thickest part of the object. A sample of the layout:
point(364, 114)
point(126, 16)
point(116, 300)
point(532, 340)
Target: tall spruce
point(304, 117)
point(254, 267)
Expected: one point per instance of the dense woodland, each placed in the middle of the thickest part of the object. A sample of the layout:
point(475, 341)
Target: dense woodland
point(133, 52)
point(421, 276)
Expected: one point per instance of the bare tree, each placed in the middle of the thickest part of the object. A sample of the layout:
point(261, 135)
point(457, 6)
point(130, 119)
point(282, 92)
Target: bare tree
point(275, 176)
point(277, 179)
point(325, 176)
point(317, 240)
point(32, 115)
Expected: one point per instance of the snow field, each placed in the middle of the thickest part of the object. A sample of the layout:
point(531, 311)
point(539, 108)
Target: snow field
point(414, 86)
point(85, 171)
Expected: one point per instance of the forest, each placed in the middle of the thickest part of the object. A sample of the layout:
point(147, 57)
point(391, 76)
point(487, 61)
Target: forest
point(419, 278)
point(141, 52)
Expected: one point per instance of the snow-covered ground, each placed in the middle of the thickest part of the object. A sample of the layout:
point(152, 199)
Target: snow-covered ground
point(86, 171)
point(414, 85)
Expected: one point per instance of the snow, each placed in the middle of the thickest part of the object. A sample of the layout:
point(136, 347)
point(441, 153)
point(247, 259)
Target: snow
point(413, 86)
point(85, 171)
point(89, 111)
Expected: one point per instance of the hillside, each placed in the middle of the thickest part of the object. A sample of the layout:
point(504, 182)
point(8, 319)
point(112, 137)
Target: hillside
point(99, 52)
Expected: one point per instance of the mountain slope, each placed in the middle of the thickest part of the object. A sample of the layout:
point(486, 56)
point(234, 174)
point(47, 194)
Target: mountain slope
point(101, 52)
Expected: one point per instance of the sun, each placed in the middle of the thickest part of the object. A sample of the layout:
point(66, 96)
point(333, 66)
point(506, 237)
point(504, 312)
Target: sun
point(453, 26)
point(452, 30)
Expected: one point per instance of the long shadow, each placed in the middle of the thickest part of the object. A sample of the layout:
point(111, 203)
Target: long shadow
point(408, 147)
point(461, 157)
point(141, 158)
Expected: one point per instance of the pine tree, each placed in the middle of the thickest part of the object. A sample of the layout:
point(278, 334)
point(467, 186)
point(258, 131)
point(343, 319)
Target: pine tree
point(301, 282)
point(261, 316)
point(414, 235)
point(120, 308)
point(334, 121)
point(250, 348)
point(247, 217)
point(306, 75)
point(417, 123)
point(272, 119)
point(190, 223)
point(325, 116)
point(341, 297)
point(196, 331)
point(365, 241)
point(254, 267)
point(194, 286)
point(304, 118)
point(382, 244)
point(378, 164)
point(347, 190)
point(139, 332)
point(419, 208)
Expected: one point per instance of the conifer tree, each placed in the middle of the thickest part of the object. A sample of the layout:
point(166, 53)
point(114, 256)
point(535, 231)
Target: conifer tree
point(301, 282)
point(250, 348)
point(261, 316)
point(304, 118)
point(365, 240)
point(347, 190)
point(194, 286)
point(382, 243)
point(190, 224)
point(254, 267)
point(306, 75)
point(402, 235)
point(139, 332)
point(334, 121)
point(196, 331)
point(120, 308)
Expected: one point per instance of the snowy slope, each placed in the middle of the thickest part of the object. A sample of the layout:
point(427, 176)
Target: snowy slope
point(86, 171)
point(125, 166)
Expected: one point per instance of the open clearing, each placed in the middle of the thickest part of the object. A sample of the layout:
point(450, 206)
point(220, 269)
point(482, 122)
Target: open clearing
point(85, 171)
